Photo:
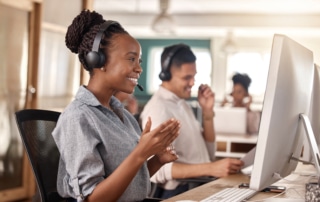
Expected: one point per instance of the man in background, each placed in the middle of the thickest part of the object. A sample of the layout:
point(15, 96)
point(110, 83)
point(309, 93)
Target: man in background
point(195, 144)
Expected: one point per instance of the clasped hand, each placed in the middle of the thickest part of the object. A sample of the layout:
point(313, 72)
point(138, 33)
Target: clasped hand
point(159, 140)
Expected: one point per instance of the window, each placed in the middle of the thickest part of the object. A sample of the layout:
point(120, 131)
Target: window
point(56, 61)
point(203, 62)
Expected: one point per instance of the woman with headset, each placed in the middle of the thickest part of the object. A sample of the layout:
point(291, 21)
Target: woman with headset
point(240, 92)
point(241, 98)
point(104, 154)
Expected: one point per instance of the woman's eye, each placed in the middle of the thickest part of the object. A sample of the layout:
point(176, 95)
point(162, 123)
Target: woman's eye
point(132, 59)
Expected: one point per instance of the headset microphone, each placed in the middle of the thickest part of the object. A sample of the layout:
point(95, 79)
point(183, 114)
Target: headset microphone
point(140, 87)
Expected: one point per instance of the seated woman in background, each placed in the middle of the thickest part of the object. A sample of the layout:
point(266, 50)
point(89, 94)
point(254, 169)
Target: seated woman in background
point(242, 98)
point(240, 94)
point(129, 101)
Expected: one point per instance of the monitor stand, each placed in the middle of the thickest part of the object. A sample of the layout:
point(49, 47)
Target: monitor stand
point(312, 141)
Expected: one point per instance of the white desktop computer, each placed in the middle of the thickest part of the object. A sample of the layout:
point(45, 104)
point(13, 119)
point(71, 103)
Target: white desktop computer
point(287, 97)
point(284, 122)
point(230, 120)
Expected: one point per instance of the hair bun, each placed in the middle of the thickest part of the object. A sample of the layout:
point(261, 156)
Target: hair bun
point(80, 25)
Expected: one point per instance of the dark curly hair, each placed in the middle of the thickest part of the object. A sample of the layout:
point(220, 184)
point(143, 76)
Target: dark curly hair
point(82, 31)
point(242, 79)
point(183, 54)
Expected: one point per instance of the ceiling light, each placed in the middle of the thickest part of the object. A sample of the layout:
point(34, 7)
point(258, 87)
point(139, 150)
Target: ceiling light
point(164, 22)
point(229, 46)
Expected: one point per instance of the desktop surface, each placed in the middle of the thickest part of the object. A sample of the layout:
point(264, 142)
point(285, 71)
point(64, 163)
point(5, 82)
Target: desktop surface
point(295, 184)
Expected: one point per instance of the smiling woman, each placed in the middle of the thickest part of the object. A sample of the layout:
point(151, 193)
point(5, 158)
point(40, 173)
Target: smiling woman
point(104, 154)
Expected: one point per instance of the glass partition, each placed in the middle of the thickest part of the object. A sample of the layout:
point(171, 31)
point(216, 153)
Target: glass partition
point(13, 71)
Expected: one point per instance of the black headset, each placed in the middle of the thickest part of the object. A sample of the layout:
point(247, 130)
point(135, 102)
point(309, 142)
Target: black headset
point(96, 58)
point(165, 74)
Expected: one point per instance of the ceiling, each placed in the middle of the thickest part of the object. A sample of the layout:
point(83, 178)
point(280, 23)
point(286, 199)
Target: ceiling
point(209, 18)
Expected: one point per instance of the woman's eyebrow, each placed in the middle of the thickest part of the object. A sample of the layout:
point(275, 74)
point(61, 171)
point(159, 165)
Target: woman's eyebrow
point(132, 53)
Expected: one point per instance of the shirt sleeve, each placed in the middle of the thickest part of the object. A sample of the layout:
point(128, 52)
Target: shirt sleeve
point(211, 147)
point(163, 174)
point(157, 117)
point(77, 141)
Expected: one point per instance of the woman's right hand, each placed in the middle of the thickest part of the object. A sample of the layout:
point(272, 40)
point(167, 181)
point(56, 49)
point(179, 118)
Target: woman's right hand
point(157, 140)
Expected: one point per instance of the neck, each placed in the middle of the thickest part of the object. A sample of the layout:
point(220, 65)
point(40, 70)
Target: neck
point(104, 96)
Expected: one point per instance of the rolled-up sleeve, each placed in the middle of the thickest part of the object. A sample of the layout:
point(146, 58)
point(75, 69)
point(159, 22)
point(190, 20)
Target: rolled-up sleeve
point(163, 175)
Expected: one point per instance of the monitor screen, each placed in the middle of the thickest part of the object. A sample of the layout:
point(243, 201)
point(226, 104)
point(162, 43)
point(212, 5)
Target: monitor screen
point(288, 94)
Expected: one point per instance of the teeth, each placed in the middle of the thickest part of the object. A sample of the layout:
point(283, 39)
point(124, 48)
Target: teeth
point(133, 79)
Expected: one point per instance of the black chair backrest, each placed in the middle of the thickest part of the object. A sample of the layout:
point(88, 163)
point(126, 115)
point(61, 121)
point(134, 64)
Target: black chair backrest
point(35, 127)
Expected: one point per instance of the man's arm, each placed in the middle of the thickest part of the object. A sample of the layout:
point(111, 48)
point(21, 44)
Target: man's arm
point(206, 101)
point(220, 168)
point(208, 126)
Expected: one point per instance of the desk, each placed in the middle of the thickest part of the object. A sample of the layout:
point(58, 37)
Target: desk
point(234, 145)
point(295, 184)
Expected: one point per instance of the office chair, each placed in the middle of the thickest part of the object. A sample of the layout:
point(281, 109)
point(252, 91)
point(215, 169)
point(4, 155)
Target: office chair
point(35, 127)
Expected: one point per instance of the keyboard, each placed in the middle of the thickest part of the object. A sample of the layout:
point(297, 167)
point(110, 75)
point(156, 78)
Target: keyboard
point(231, 195)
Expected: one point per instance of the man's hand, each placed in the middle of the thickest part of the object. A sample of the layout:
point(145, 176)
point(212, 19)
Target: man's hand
point(168, 155)
point(206, 98)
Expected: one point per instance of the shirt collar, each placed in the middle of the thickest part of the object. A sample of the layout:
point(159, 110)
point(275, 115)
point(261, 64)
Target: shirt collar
point(168, 95)
point(87, 97)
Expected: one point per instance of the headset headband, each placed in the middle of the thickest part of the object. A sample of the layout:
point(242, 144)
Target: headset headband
point(97, 39)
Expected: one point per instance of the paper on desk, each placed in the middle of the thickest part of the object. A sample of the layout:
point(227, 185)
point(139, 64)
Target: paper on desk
point(249, 158)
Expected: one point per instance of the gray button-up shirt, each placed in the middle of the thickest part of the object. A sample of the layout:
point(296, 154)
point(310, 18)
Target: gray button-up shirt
point(93, 142)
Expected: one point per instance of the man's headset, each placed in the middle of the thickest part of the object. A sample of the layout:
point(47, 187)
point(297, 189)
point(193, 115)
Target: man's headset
point(96, 58)
point(165, 74)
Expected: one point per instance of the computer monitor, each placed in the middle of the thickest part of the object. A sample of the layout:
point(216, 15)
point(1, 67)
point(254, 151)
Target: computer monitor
point(230, 120)
point(314, 114)
point(287, 96)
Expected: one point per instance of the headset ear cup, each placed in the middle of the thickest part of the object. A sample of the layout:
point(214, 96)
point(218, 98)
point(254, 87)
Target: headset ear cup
point(102, 59)
point(95, 59)
point(92, 59)
point(165, 76)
